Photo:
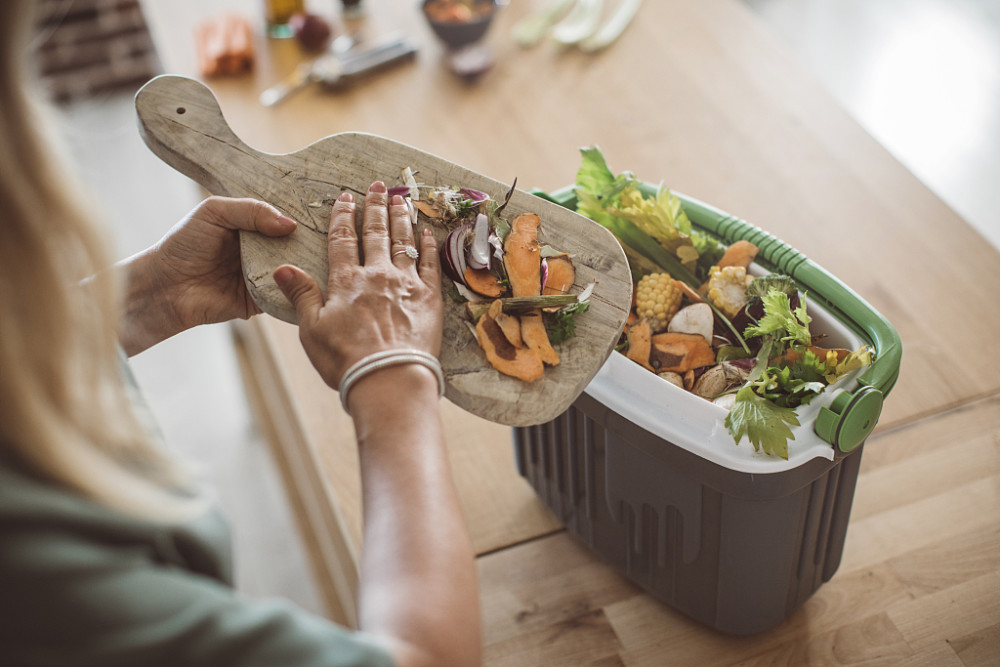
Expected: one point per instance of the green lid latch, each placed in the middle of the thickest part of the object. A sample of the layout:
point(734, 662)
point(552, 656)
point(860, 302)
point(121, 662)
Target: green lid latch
point(850, 418)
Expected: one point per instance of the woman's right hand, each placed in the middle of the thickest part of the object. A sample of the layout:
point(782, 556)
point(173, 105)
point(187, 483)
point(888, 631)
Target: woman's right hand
point(390, 301)
point(418, 589)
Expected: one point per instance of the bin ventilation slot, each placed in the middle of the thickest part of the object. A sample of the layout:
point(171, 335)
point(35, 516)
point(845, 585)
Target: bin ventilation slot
point(589, 492)
point(559, 459)
point(634, 478)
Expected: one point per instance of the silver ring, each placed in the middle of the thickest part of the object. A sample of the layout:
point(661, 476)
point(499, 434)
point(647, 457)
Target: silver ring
point(409, 251)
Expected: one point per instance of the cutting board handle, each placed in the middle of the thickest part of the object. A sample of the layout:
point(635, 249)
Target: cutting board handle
point(181, 122)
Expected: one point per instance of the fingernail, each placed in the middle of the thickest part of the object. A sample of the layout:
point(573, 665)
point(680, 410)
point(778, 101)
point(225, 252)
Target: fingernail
point(397, 200)
point(286, 222)
point(283, 275)
point(346, 196)
point(377, 186)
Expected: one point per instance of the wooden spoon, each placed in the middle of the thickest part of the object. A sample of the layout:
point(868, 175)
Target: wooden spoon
point(181, 122)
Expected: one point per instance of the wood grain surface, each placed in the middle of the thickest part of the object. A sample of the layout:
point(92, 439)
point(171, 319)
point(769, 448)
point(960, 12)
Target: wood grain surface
point(180, 120)
point(700, 96)
point(919, 583)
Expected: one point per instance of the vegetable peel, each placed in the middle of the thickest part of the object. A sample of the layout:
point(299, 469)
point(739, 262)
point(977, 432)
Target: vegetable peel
point(516, 361)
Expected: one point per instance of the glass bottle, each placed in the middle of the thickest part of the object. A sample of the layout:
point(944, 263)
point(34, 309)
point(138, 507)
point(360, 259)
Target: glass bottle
point(278, 13)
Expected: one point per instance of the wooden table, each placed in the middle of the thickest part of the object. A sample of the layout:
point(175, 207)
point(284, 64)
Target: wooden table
point(698, 95)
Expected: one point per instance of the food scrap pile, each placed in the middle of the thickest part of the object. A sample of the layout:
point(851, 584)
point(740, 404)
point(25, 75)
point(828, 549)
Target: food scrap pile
point(516, 288)
point(703, 322)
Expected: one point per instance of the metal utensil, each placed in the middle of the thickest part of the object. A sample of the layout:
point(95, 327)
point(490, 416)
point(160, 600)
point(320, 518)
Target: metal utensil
point(333, 70)
point(303, 74)
point(338, 72)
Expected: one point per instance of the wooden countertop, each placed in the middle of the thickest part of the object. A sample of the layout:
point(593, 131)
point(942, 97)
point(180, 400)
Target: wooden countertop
point(698, 95)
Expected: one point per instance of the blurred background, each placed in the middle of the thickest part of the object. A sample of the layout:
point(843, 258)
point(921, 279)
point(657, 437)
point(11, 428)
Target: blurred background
point(921, 76)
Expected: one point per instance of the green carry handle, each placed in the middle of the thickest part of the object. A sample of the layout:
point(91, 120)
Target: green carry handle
point(850, 418)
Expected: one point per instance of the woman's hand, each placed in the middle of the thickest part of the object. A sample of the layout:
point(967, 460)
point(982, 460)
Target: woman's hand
point(390, 301)
point(418, 589)
point(194, 275)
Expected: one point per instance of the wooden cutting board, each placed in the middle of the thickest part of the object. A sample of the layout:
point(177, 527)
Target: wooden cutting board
point(181, 122)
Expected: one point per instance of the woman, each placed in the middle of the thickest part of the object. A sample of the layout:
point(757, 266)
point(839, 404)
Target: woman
point(108, 556)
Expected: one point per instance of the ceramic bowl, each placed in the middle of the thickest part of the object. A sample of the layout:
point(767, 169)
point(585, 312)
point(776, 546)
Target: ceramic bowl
point(457, 33)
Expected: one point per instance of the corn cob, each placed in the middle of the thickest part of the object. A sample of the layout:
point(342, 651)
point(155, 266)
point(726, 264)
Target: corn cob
point(727, 288)
point(657, 299)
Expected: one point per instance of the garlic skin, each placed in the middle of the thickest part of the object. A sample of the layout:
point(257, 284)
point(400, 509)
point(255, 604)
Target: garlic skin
point(694, 319)
point(673, 378)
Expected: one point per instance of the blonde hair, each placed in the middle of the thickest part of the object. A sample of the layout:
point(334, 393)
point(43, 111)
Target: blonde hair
point(65, 412)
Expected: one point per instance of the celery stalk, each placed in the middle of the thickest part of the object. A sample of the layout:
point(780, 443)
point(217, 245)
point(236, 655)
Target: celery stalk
point(580, 24)
point(611, 30)
point(530, 30)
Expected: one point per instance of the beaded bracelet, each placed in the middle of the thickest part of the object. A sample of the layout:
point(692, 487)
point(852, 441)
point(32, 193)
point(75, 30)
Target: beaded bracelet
point(379, 360)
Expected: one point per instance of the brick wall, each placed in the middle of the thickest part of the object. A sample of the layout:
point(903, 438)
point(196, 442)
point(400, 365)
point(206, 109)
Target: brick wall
point(90, 46)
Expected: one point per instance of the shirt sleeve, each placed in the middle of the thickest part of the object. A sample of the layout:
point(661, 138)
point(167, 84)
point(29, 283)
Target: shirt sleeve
point(67, 600)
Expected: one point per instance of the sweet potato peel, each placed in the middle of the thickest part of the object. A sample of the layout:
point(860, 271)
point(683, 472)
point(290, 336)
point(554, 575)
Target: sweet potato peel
point(640, 343)
point(537, 338)
point(739, 253)
point(510, 359)
point(680, 352)
point(562, 275)
point(483, 282)
point(509, 324)
point(523, 261)
point(523, 256)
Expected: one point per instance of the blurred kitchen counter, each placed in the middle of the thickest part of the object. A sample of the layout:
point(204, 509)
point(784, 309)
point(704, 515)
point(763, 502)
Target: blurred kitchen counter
point(698, 95)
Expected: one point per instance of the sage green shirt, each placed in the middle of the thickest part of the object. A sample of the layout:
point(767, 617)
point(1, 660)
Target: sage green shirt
point(81, 584)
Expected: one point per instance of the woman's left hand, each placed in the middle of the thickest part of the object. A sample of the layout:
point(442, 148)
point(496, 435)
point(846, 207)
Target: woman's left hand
point(193, 275)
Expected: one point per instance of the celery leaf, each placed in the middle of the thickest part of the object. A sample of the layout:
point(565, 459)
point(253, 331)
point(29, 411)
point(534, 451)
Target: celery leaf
point(594, 176)
point(561, 325)
point(764, 423)
point(779, 317)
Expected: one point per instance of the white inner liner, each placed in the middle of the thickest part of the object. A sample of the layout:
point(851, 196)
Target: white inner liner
point(696, 424)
